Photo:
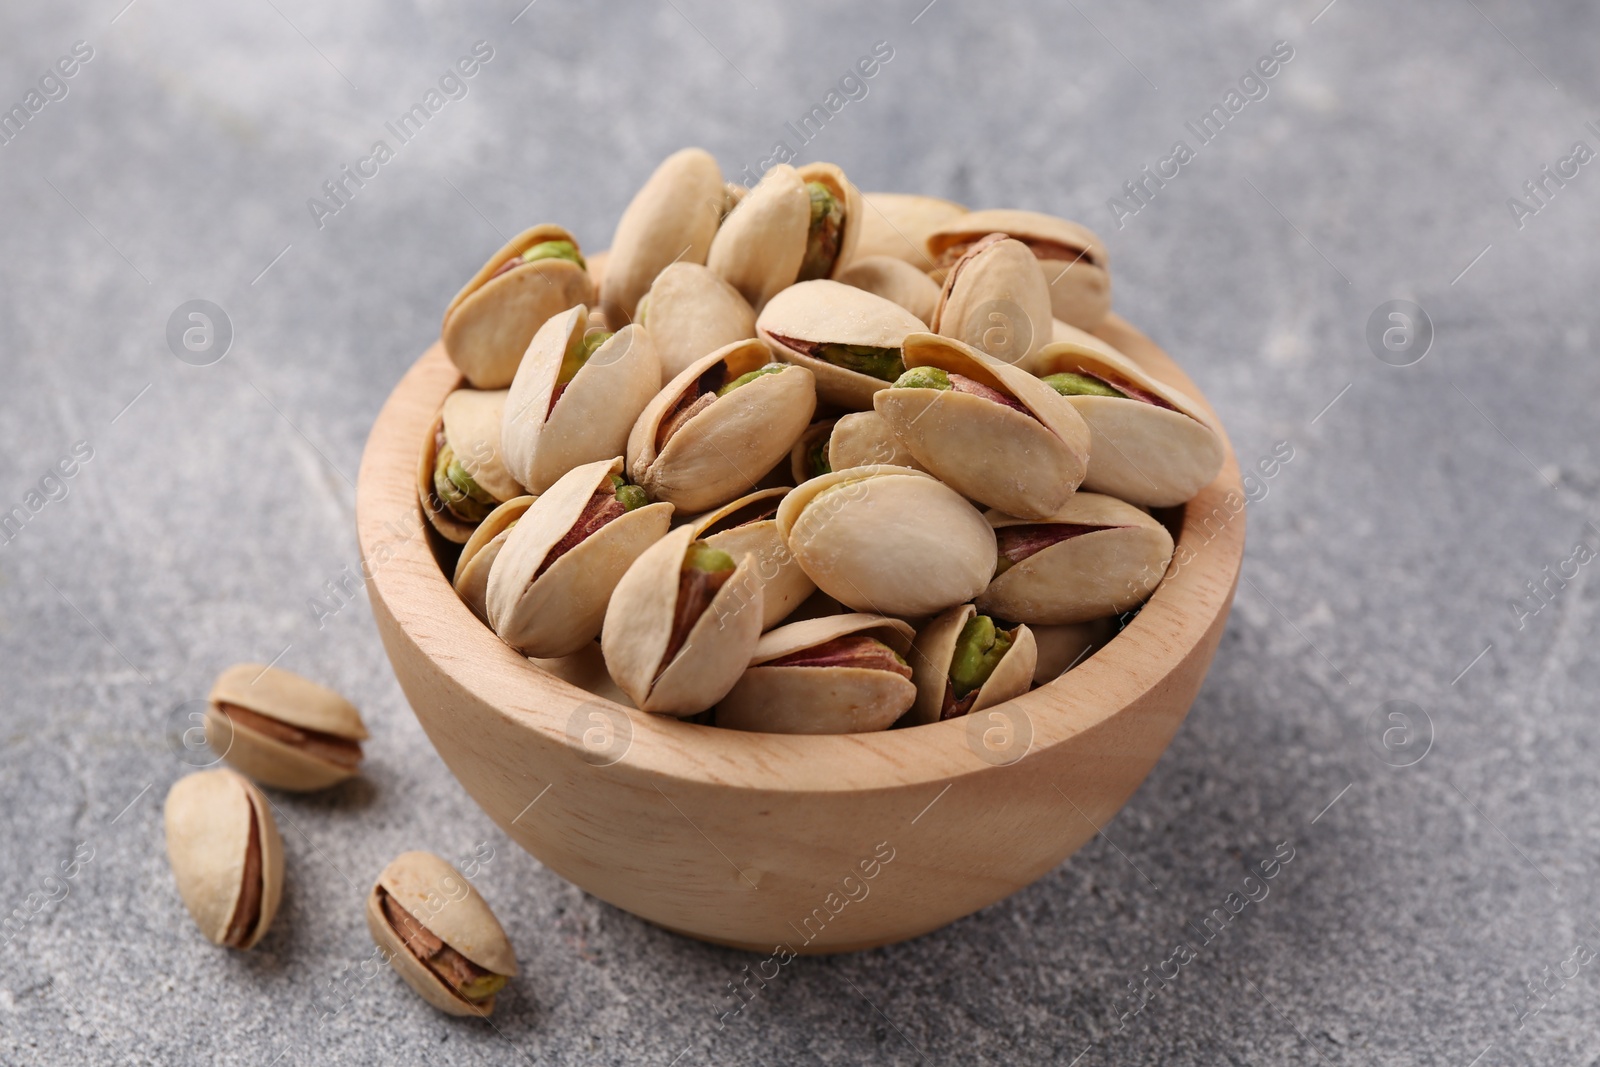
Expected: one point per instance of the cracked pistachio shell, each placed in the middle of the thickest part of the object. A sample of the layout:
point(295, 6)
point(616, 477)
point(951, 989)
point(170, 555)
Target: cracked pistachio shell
point(896, 281)
point(888, 540)
point(300, 707)
point(477, 557)
point(761, 243)
point(586, 669)
point(591, 418)
point(671, 219)
point(208, 819)
point(862, 439)
point(639, 623)
point(996, 299)
point(1074, 259)
point(784, 584)
point(488, 325)
point(1023, 464)
point(692, 312)
point(935, 647)
point(725, 449)
point(597, 274)
point(1061, 648)
point(1090, 576)
point(848, 197)
point(898, 225)
point(817, 433)
point(557, 612)
point(819, 700)
point(1140, 452)
point(829, 312)
point(470, 419)
point(443, 901)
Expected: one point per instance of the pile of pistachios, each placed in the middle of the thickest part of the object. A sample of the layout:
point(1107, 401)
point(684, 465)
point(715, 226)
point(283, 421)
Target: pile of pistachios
point(796, 459)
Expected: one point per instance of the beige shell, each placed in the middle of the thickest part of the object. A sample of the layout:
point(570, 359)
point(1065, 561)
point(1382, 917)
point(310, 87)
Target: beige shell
point(724, 450)
point(586, 669)
point(591, 418)
point(1061, 648)
point(829, 312)
point(1074, 259)
point(1139, 452)
point(935, 647)
point(984, 450)
point(850, 205)
point(477, 557)
point(996, 299)
point(761, 243)
point(639, 624)
point(819, 700)
point(488, 325)
point(471, 420)
point(896, 281)
point(691, 312)
point(888, 540)
point(558, 612)
point(671, 219)
point(1090, 576)
point(443, 901)
point(784, 584)
point(799, 455)
point(208, 818)
point(290, 699)
point(597, 274)
point(898, 225)
point(863, 439)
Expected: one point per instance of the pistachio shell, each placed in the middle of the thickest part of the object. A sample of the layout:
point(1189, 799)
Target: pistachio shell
point(896, 281)
point(829, 312)
point(586, 669)
point(1063, 647)
point(300, 705)
point(591, 418)
point(639, 624)
point(477, 557)
point(898, 225)
point(819, 700)
point(761, 243)
point(671, 219)
point(1140, 452)
point(996, 299)
point(557, 612)
point(1075, 261)
point(488, 325)
point(208, 828)
point(889, 540)
point(1089, 576)
point(850, 204)
point(449, 527)
point(863, 438)
point(444, 902)
point(725, 449)
point(1024, 464)
point(692, 312)
point(784, 584)
point(931, 657)
point(800, 454)
point(472, 430)
point(597, 274)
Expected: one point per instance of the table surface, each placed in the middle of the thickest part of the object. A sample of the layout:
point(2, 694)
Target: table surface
point(1423, 536)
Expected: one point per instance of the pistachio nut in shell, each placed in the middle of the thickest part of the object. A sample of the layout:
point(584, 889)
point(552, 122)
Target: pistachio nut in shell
point(995, 298)
point(439, 934)
point(896, 281)
point(283, 730)
point(862, 439)
point(575, 397)
point(487, 327)
point(471, 580)
point(226, 855)
point(671, 219)
point(1075, 261)
point(461, 474)
point(1061, 648)
point(888, 540)
point(898, 225)
point(1149, 443)
point(849, 338)
point(809, 456)
point(549, 585)
point(719, 426)
point(993, 432)
point(761, 243)
point(835, 222)
point(681, 625)
point(843, 674)
point(1096, 557)
point(689, 312)
point(963, 662)
point(749, 526)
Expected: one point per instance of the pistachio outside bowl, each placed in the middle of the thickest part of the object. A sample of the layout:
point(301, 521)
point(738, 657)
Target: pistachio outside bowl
point(812, 843)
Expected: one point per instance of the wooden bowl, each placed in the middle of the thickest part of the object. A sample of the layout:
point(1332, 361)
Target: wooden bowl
point(781, 843)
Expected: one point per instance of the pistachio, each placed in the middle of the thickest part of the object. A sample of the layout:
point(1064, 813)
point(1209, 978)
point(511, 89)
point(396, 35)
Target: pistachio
point(964, 662)
point(1069, 384)
point(849, 338)
point(795, 225)
point(894, 280)
point(748, 527)
point(543, 250)
point(924, 378)
point(226, 855)
point(749, 376)
point(996, 299)
point(477, 557)
point(809, 456)
point(671, 219)
point(1064, 647)
point(461, 476)
point(283, 730)
point(691, 312)
point(439, 934)
point(1074, 261)
point(898, 225)
point(823, 236)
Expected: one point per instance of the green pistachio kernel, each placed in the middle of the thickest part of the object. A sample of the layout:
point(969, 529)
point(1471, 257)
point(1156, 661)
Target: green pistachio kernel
point(578, 353)
point(884, 364)
point(702, 557)
point(461, 496)
point(817, 457)
point(923, 378)
point(1069, 384)
point(483, 987)
point(555, 250)
point(750, 376)
point(979, 650)
point(628, 495)
point(827, 226)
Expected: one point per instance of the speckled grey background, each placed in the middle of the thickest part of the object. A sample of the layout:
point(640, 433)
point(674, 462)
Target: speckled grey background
point(1386, 561)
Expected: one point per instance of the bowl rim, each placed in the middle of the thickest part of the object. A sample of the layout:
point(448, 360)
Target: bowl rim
point(403, 574)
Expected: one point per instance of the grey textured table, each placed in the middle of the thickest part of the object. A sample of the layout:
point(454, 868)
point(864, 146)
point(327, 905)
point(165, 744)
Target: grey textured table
point(1442, 861)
